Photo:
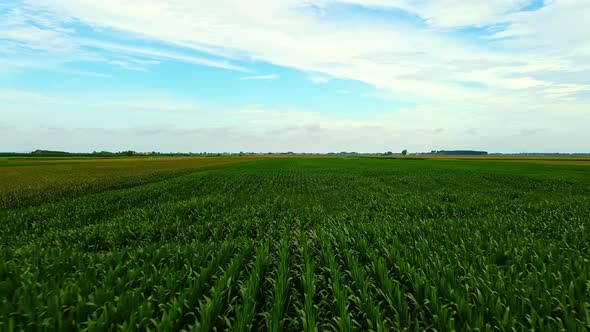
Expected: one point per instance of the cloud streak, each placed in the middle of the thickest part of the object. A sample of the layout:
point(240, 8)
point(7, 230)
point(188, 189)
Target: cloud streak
point(42, 34)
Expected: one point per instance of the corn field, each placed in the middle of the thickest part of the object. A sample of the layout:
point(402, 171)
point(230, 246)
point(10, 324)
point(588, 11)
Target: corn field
point(305, 244)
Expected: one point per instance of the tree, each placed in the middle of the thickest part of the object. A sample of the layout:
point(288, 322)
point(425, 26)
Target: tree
point(388, 153)
point(405, 152)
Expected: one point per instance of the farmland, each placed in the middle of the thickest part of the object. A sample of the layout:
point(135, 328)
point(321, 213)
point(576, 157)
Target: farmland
point(29, 181)
point(294, 244)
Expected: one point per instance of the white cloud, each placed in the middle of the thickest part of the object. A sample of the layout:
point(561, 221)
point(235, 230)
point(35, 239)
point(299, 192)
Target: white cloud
point(416, 63)
point(560, 28)
point(160, 54)
point(263, 128)
point(452, 13)
point(30, 30)
point(455, 81)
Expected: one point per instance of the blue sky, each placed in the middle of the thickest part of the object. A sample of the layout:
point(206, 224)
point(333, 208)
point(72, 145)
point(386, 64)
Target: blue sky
point(314, 75)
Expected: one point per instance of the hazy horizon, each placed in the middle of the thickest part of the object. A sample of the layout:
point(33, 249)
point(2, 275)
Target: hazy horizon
point(148, 152)
point(317, 76)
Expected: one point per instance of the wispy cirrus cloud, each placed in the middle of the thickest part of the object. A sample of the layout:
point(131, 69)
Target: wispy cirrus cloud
point(272, 33)
point(32, 31)
point(492, 65)
point(409, 60)
point(155, 53)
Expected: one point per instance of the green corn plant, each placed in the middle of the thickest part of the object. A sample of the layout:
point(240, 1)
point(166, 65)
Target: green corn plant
point(275, 320)
point(309, 287)
point(343, 318)
point(210, 308)
point(245, 314)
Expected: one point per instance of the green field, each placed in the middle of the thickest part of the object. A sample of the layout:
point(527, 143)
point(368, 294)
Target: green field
point(294, 244)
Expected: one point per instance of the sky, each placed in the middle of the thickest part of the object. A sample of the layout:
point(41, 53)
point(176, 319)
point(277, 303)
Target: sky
point(294, 75)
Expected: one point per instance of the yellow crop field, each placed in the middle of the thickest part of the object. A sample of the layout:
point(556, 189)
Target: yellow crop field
point(27, 181)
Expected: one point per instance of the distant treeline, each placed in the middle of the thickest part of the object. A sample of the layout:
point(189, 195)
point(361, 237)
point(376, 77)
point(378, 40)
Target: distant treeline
point(130, 153)
point(49, 153)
